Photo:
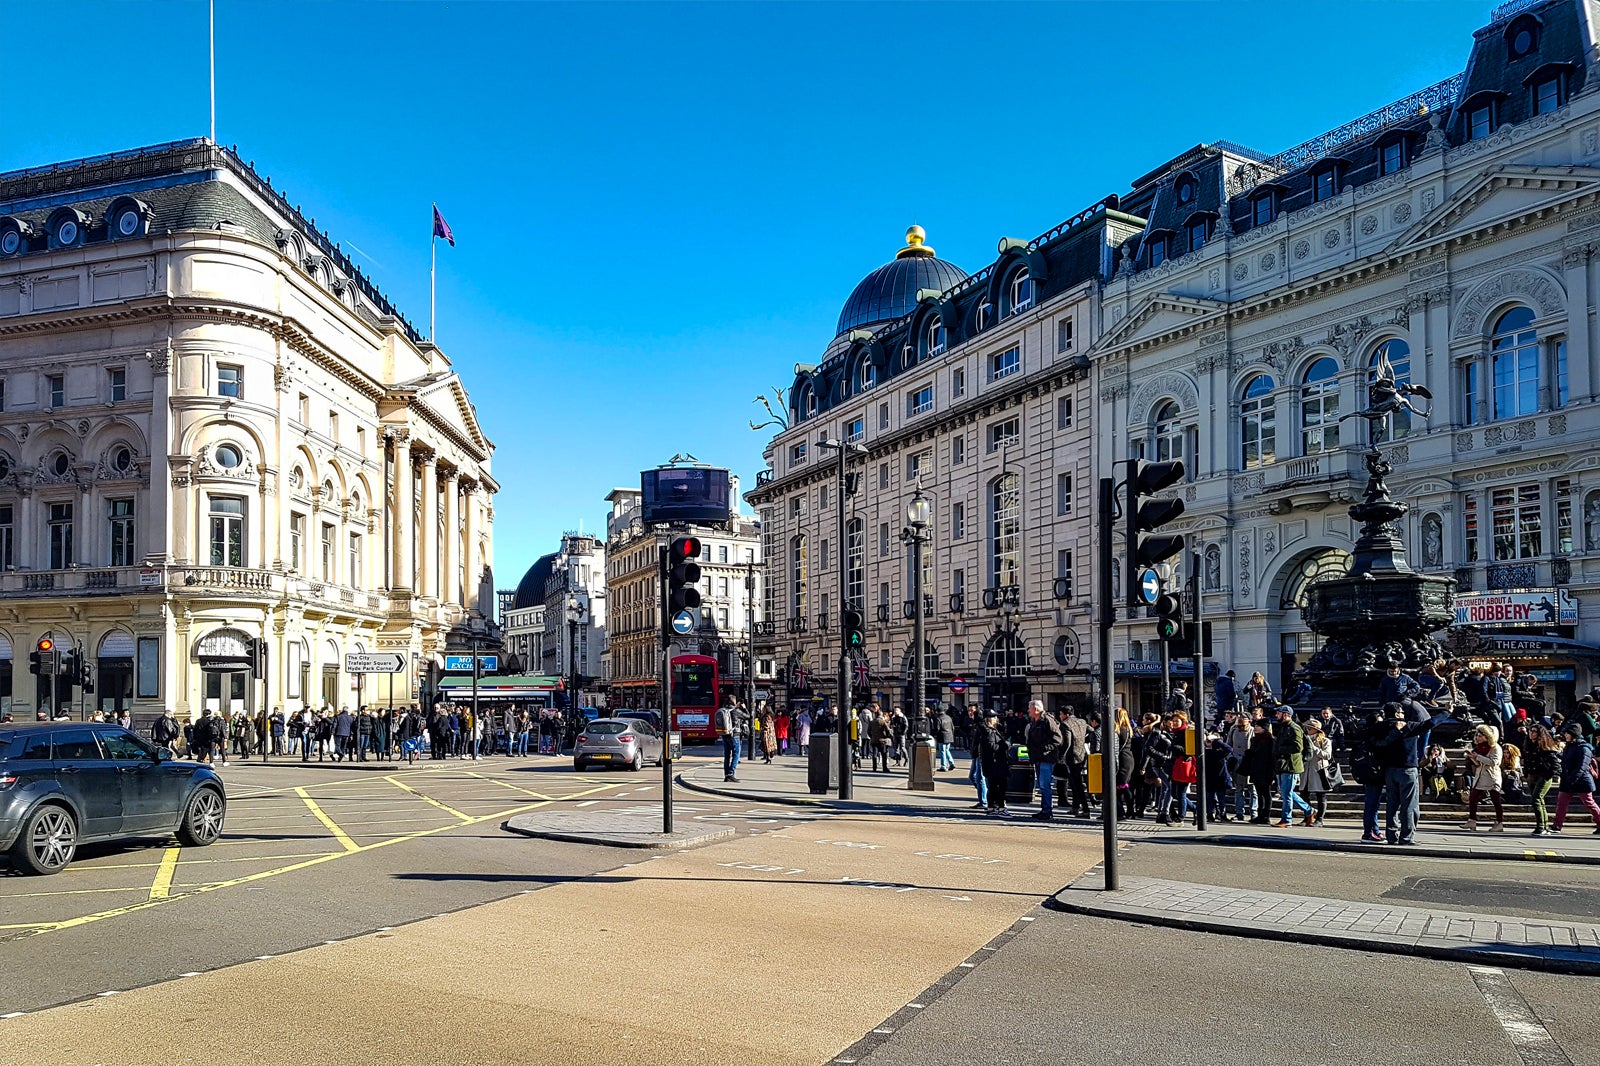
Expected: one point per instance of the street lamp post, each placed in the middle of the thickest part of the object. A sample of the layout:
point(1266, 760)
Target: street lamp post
point(574, 617)
point(919, 514)
point(844, 711)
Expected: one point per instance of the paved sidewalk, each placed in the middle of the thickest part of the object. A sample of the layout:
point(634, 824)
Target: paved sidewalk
point(785, 781)
point(1560, 947)
point(612, 830)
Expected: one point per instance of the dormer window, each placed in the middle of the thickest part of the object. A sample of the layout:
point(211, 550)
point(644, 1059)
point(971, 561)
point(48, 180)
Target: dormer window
point(1522, 38)
point(1480, 121)
point(1157, 243)
point(985, 315)
point(1196, 232)
point(866, 375)
point(1263, 209)
point(936, 336)
point(1546, 93)
point(1392, 157)
point(1021, 292)
point(1186, 189)
point(1325, 184)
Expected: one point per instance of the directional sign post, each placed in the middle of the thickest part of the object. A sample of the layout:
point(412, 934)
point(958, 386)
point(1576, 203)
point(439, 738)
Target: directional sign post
point(360, 662)
point(683, 622)
point(1149, 585)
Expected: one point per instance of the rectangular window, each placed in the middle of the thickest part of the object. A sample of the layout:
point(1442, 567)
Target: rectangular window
point(230, 380)
point(1561, 372)
point(920, 401)
point(797, 507)
point(958, 521)
point(1262, 209)
point(1546, 96)
point(883, 475)
point(1064, 494)
point(1158, 251)
point(823, 558)
point(60, 536)
point(1469, 395)
point(1514, 514)
point(722, 619)
point(148, 684)
point(227, 530)
point(355, 560)
point(1005, 434)
point(958, 581)
point(1322, 185)
point(960, 654)
point(883, 539)
point(917, 465)
point(1064, 574)
point(1064, 335)
point(333, 425)
point(57, 384)
point(883, 594)
point(958, 382)
point(1197, 234)
point(722, 552)
point(855, 430)
point(823, 501)
point(722, 587)
point(1394, 157)
point(1004, 364)
point(361, 439)
point(1564, 516)
point(883, 416)
point(304, 409)
point(2, 394)
point(1469, 527)
point(117, 383)
point(1064, 412)
point(8, 537)
point(120, 513)
point(797, 453)
point(1480, 122)
point(327, 551)
point(297, 538)
point(958, 450)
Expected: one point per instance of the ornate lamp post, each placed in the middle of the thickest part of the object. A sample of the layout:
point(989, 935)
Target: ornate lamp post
point(574, 618)
point(919, 519)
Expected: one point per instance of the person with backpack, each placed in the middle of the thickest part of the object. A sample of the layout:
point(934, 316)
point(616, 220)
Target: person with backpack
point(1365, 768)
point(1578, 772)
point(994, 753)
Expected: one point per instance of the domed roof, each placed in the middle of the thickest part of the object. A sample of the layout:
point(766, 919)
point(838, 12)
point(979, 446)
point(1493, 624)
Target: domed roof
point(530, 590)
point(890, 292)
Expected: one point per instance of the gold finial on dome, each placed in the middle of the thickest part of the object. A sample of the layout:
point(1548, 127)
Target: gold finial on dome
point(915, 236)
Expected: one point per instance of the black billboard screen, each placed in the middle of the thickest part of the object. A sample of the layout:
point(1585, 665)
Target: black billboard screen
point(685, 494)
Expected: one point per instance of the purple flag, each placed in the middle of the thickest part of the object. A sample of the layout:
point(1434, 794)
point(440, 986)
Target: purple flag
point(441, 228)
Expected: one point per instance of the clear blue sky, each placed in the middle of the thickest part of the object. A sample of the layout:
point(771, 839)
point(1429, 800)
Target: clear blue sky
point(653, 201)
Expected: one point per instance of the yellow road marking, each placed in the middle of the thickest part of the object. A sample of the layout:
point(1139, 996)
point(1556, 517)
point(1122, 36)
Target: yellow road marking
point(76, 869)
point(161, 887)
point(87, 919)
point(508, 784)
point(333, 827)
point(73, 892)
point(429, 799)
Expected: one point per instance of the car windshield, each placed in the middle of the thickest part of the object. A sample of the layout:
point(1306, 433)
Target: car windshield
point(606, 729)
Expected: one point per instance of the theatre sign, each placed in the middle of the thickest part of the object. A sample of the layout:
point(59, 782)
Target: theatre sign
point(1530, 607)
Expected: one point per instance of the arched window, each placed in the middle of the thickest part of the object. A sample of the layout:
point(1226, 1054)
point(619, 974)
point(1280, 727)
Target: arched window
point(1516, 364)
point(1319, 407)
point(1169, 432)
point(797, 576)
point(1332, 562)
point(1398, 352)
point(1258, 423)
point(1021, 291)
point(985, 315)
point(808, 402)
point(1005, 530)
point(1007, 656)
point(855, 546)
point(935, 338)
point(866, 374)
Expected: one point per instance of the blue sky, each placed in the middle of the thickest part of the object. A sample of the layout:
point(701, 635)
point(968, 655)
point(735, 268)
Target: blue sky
point(659, 208)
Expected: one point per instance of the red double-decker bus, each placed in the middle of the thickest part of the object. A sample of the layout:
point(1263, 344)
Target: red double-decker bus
point(694, 697)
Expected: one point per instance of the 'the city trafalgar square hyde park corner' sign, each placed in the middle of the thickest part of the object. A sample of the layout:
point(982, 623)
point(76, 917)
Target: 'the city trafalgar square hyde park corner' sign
point(1534, 607)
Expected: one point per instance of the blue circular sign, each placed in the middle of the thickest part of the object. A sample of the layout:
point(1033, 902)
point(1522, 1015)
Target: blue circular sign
point(1149, 585)
point(683, 622)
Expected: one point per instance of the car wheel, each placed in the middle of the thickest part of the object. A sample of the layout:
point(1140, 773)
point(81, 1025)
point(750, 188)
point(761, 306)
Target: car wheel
point(202, 818)
point(577, 764)
point(638, 762)
point(48, 840)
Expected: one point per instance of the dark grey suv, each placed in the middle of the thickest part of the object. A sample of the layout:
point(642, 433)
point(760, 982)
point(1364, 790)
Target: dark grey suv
point(68, 783)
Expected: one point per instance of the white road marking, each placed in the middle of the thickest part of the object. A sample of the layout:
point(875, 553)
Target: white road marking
point(1534, 1044)
point(191, 973)
point(586, 803)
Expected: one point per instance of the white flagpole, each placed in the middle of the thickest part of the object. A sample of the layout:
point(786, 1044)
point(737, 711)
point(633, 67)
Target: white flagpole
point(433, 272)
point(213, 71)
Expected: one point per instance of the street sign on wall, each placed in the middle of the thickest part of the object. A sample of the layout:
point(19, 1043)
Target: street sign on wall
point(362, 662)
point(462, 664)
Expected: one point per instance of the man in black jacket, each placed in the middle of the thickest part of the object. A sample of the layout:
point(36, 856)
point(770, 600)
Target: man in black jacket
point(1396, 749)
point(1072, 764)
point(1044, 743)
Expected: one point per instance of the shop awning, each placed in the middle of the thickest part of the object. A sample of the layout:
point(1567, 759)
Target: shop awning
point(503, 687)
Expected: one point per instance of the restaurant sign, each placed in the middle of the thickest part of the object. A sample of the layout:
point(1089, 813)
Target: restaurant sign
point(1533, 607)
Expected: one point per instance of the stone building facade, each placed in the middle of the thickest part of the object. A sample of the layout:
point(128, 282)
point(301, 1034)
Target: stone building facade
point(1452, 233)
point(214, 431)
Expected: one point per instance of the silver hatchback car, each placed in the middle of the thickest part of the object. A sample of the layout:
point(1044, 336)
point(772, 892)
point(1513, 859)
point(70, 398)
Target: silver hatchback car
point(617, 742)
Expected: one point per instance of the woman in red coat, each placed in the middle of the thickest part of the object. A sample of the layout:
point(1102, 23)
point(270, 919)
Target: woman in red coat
point(781, 727)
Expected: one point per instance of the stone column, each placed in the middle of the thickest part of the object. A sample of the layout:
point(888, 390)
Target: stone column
point(450, 543)
point(469, 546)
point(428, 529)
point(1580, 374)
point(400, 514)
point(156, 523)
point(182, 496)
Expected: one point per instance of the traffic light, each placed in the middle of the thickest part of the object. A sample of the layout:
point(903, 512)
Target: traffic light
point(86, 678)
point(1169, 616)
point(1144, 516)
point(855, 635)
point(682, 574)
point(43, 659)
point(34, 665)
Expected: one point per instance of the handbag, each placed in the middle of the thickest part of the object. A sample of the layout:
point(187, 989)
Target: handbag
point(1183, 770)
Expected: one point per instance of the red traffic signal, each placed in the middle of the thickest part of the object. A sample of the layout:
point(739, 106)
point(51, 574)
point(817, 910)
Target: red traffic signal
point(685, 548)
point(682, 574)
point(46, 644)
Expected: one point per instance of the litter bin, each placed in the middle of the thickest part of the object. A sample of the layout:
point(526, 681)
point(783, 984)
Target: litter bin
point(1020, 779)
point(822, 767)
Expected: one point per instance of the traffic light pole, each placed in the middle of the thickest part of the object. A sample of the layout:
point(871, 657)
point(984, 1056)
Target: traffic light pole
point(1198, 650)
point(666, 694)
point(846, 713)
point(1108, 696)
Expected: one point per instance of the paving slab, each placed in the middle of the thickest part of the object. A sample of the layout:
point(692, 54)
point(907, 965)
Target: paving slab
point(1526, 943)
point(612, 830)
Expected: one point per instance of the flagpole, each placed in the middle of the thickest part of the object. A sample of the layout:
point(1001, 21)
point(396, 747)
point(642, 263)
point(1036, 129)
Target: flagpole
point(433, 272)
point(213, 6)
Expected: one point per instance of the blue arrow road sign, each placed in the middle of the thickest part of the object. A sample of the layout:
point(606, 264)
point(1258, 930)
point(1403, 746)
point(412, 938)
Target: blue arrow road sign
point(683, 622)
point(1149, 585)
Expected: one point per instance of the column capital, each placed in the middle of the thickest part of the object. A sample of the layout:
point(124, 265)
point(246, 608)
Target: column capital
point(448, 473)
point(398, 436)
